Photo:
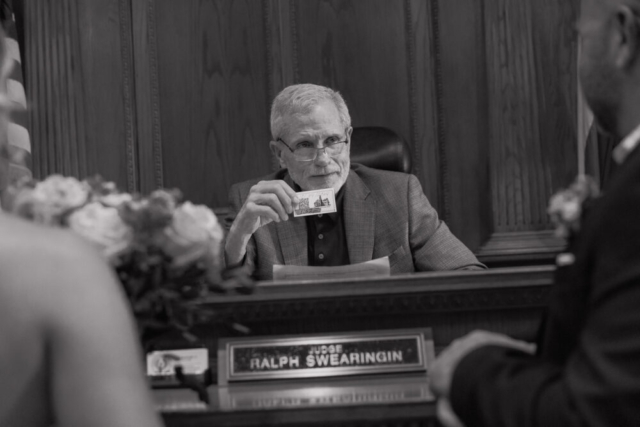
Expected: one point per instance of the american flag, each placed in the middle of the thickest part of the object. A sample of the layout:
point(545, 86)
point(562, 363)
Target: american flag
point(19, 142)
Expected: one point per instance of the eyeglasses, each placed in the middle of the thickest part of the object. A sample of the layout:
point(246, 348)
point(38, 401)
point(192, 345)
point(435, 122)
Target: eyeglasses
point(306, 151)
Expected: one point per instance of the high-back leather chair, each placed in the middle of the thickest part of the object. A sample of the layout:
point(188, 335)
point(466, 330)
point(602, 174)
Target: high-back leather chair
point(380, 148)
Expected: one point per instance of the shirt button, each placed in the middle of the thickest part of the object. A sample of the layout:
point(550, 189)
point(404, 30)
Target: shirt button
point(321, 256)
point(319, 215)
point(320, 236)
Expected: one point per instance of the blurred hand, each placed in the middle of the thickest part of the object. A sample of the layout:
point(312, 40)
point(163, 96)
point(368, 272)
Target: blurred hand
point(445, 364)
point(268, 201)
point(445, 413)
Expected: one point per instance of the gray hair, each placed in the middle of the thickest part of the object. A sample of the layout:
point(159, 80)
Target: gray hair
point(299, 99)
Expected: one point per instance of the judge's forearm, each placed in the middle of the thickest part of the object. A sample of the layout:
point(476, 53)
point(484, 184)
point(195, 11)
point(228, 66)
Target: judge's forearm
point(235, 247)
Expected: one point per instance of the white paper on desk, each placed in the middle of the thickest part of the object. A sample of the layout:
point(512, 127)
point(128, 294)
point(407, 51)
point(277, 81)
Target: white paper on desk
point(375, 267)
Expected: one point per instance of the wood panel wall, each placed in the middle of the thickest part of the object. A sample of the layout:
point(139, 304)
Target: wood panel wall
point(154, 93)
point(79, 83)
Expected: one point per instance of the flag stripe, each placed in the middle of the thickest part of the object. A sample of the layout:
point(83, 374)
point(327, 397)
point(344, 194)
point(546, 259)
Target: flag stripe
point(20, 117)
point(19, 153)
point(15, 91)
point(18, 172)
point(19, 137)
point(19, 142)
point(16, 71)
point(13, 50)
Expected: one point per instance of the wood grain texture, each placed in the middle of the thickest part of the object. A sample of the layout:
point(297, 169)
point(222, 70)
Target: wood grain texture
point(463, 129)
point(366, 50)
point(381, 415)
point(75, 82)
point(147, 102)
point(532, 91)
point(423, 94)
point(177, 93)
point(213, 85)
point(509, 301)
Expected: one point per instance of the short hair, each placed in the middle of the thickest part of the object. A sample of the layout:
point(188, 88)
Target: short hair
point(299, 99)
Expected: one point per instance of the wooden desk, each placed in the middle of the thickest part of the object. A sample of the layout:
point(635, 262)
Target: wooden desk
point(509, 300)
point(393, 400)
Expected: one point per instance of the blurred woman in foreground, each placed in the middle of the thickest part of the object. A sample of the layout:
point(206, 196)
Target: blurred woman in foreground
point(69, 355)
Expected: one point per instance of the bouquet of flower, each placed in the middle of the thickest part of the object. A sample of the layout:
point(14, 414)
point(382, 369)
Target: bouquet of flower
point(166, 252)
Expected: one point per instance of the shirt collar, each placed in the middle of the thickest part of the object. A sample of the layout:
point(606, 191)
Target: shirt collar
point(628, 144)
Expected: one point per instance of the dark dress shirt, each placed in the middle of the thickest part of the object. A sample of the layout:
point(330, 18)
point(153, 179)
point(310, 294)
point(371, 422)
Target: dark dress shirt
point(326, 238)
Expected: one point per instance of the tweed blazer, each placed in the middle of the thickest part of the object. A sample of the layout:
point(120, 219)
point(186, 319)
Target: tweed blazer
point(385, 214)
point(587, 370)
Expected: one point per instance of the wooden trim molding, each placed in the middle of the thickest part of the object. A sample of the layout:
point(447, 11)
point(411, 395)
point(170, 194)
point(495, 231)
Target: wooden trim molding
point(420, 293)
point(443, 193)
point(293, 25)
point(155, 97)
point(272, 28)
point(407, 414)
point(410, 41)
point(521, 246)
point(147, 95)
point(126, 53)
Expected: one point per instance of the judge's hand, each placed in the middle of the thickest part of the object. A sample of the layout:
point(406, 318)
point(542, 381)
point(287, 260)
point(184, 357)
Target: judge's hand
point(445, 364)
point(268, 201)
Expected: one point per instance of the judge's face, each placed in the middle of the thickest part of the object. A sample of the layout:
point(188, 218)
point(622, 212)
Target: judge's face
point(318, 126)
point(599, 78)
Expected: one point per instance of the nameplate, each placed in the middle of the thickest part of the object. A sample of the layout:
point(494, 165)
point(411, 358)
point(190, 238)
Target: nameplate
point(161, 365)
point(340, 354)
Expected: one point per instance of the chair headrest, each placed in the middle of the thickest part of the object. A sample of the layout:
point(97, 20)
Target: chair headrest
point(380, 148)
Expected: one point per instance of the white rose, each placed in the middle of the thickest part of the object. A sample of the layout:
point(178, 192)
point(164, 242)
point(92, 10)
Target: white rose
point(56, 195)
point(193, 235)
point(115, 199)
point(102, 226)
point(571, 210)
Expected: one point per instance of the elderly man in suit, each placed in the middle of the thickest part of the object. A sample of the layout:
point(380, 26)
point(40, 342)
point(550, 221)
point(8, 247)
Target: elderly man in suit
point(379, 213)
point(586, 371)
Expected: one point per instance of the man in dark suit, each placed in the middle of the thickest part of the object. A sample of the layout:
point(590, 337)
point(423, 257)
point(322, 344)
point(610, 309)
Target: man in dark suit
point(379, 213)
point(586, 371)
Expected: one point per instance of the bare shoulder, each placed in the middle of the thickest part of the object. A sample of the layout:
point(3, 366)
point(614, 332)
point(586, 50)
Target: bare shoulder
point(43, 257)
point(57, 289)
point(19, 236)
point(56, 276)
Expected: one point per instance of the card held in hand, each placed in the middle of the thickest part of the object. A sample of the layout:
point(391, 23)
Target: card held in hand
point(316, 202)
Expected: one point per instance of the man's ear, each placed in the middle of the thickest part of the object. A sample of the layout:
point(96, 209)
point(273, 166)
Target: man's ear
point(278, 152)
point(627, 25)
